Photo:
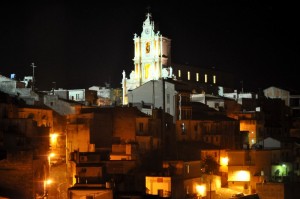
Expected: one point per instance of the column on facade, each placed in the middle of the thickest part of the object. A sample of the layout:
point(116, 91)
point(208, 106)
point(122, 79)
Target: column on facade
point(160, 53)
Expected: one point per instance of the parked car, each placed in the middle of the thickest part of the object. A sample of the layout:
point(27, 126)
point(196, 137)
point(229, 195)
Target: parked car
point(237, 195)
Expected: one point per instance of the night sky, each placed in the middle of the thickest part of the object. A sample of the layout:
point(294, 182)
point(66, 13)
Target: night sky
point(82, 43)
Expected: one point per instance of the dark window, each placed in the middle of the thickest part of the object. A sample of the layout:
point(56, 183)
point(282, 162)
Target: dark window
point(196, 127)
point(141, 127)
point(168, 98)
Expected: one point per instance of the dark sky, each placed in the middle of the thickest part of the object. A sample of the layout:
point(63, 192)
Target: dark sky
point(82, 43)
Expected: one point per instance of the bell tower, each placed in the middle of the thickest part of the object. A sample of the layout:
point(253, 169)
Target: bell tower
point(151, 57)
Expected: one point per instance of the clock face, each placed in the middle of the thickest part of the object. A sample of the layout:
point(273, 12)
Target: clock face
point(147, 30)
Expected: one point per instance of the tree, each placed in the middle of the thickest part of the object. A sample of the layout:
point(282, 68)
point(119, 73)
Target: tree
point(209, 165)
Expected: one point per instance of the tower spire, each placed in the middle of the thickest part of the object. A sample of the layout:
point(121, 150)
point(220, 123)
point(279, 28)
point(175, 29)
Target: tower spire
point(148, 14)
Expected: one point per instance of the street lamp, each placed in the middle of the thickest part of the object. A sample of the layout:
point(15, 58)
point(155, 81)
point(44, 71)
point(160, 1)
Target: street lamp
point(53, 139)
point(284, 166)
point(46, 182)
point(49, 159)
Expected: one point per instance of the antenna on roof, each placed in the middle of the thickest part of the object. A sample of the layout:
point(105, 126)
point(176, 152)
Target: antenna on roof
point(242, 82)
point(33, 80)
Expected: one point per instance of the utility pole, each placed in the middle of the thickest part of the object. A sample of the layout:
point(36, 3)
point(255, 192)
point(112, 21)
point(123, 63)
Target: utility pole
point(33, 79)
point(242, 82)
point(164, 148)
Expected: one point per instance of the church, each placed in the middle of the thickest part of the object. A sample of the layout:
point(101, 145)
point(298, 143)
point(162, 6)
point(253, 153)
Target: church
point(152, 61)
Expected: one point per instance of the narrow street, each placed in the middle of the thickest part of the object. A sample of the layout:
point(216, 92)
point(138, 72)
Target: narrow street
point(58, 188)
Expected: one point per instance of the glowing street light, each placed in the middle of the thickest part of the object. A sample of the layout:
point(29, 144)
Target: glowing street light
point(284, 166)
point(224, 161)
point(201, 190)
point(46, 182)
point(53, 137)
point(49, 159)
point(53, 141)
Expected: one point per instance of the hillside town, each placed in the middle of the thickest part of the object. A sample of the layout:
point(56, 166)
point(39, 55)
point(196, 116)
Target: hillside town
point(169, 131)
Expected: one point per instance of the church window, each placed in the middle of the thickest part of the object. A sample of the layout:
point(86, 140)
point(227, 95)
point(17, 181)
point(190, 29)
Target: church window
point(147, 71)
point(137, 68)
point(147, 47)
point(168, 98)
point(214, 79)
point(197, 77)
point(205, 78)
point(179, 73)
point(216, 105)
point(188, 75)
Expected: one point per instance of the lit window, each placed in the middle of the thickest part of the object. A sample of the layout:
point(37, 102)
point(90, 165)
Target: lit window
point(183, 128)
point(215, 79)
point(147, 47)
point(197, 77)
point(147, 71)
point(187, 167)
point(205, 78)
point(188, 75)
point(179, 73)
point(242, 176)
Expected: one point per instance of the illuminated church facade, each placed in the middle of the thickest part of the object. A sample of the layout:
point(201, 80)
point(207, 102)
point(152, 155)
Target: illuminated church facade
point(151, 58)
point(152, 61)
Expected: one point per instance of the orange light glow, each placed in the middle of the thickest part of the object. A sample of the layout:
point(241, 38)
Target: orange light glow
point(49, 158)
point(224, 161)
point(242, 176)
point(239, 175)
point(47, 182)
point(156, 183)
point(53, 137)
point(201, 190)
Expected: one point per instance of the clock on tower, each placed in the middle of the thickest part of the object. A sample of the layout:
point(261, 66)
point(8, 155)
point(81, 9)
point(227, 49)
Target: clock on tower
point(147, 31)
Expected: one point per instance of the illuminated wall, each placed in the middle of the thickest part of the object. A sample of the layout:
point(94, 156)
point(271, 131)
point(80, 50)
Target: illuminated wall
point(43, 117)
point(240, 175)
point(249, 125)
point(158, 185)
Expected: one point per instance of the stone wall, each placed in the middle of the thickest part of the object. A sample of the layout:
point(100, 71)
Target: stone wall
point(17, 179)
